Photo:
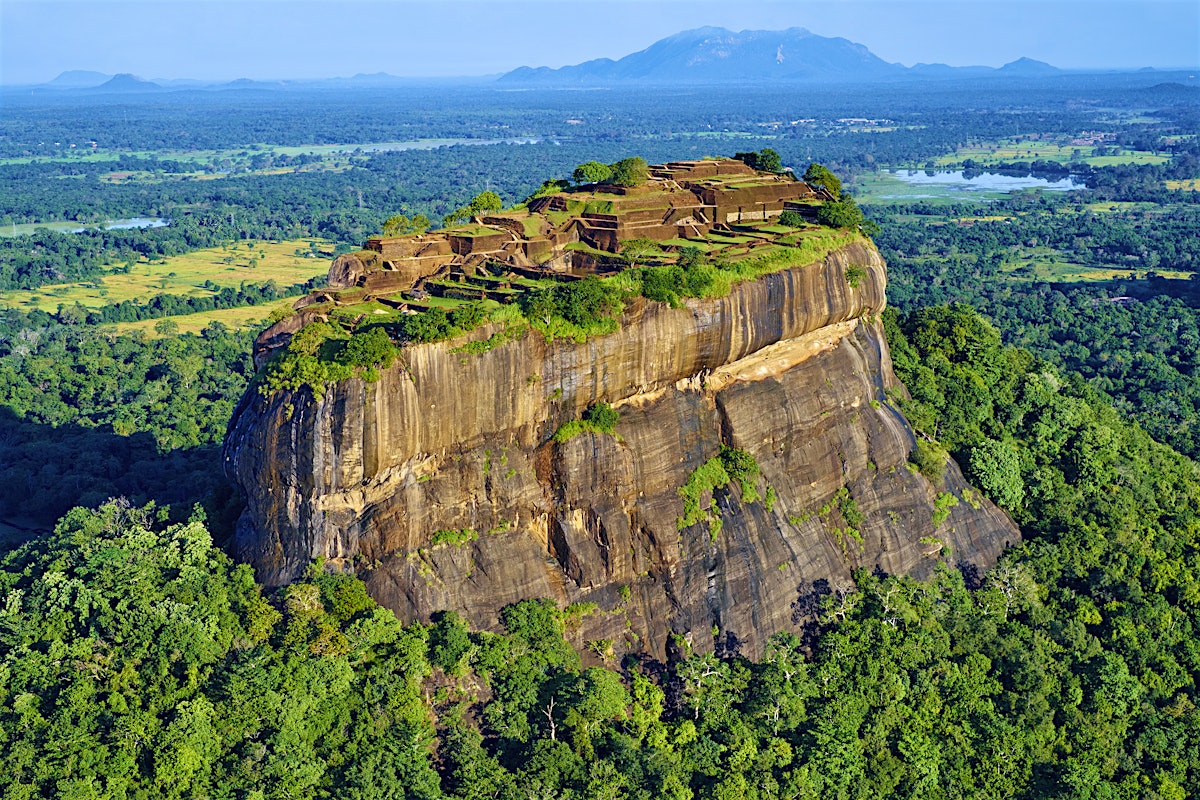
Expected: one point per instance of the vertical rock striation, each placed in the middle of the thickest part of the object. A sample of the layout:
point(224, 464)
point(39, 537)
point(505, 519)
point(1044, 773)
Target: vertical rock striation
point(792, 368)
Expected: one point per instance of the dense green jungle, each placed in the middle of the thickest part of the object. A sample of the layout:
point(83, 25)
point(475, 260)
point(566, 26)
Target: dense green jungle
point(1048, 341)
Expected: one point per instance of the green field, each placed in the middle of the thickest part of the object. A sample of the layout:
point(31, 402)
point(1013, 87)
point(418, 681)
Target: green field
point(245, 317)
point(185, 275)
point(983, 218)
point(26, 228)
point(1009, 150)
point(1041, 266)
point(1122, 206)
point(1069, 272)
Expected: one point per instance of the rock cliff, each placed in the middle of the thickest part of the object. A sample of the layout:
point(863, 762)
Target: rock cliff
point(441, 485)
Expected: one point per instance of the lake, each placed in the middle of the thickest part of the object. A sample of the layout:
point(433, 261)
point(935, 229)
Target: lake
point(127, 224)
point(934, 184)
point(26, 228)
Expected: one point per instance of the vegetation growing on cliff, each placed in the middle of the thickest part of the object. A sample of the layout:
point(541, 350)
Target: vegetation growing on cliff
point(455, 537)
point(731, 464)
point(599, 418)
point(587, 307)
point(308, 360)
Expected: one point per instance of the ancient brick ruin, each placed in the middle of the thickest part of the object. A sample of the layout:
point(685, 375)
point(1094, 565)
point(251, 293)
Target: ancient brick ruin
point(681, 200)
point(560, 237)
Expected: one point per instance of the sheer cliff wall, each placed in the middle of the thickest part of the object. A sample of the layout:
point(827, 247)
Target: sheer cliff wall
point(792, 368)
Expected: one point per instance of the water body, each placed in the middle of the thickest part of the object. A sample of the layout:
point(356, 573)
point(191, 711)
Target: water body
point(946, 183)
point(126, 224)
point(26, 228)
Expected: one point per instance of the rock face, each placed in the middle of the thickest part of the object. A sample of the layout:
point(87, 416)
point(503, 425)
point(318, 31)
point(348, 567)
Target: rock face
point(441, 486)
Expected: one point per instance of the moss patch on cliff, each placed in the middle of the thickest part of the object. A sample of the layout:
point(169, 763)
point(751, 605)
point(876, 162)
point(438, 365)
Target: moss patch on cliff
point(600, 418)
point(729, 465)
point(453, 537)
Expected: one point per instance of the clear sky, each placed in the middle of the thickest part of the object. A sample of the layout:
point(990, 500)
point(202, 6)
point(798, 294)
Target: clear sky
point(270, 39)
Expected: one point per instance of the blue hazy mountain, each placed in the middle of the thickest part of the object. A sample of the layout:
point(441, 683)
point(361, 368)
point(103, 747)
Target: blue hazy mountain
point(1027, 66)
point(126, 84)
point(79, 79)
point(707, 55)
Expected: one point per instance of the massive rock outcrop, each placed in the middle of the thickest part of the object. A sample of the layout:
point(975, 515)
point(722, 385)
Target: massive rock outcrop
point(441, 485)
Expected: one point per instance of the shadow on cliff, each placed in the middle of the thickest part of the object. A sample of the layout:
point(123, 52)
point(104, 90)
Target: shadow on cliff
point(45, 471)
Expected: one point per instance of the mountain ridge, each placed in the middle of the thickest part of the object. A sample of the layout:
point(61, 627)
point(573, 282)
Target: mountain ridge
point(711, 54)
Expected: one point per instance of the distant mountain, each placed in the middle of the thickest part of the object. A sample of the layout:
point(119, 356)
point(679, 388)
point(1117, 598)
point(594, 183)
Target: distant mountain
point(248, 83)
point(126, 83)
point(374, 79)
point(711, 55)
point(87, 82)
point(79, 79)
point(1028, 66)
point(717, 54)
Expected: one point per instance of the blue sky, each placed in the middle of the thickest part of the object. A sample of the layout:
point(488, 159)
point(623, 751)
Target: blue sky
point(267, 39)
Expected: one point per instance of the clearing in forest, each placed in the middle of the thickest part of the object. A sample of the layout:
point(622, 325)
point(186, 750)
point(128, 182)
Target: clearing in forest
point(233, 318)
point(231, 265)
point(1058, 149)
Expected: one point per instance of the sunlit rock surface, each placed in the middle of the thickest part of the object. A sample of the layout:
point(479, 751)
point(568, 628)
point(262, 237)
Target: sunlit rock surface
point(792, 368)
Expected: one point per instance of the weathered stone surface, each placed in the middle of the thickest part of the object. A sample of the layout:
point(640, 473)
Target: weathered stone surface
point(792, 368)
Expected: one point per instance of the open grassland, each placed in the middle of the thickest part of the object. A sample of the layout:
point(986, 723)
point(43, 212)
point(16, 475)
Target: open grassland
point(1123, 207)
point(1041, 268)
point(27, 228)
point(143, 176)
point(982, 218)
point(1063, 151)
point(227, 266)
point(1191, 185)
point(246, 317)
